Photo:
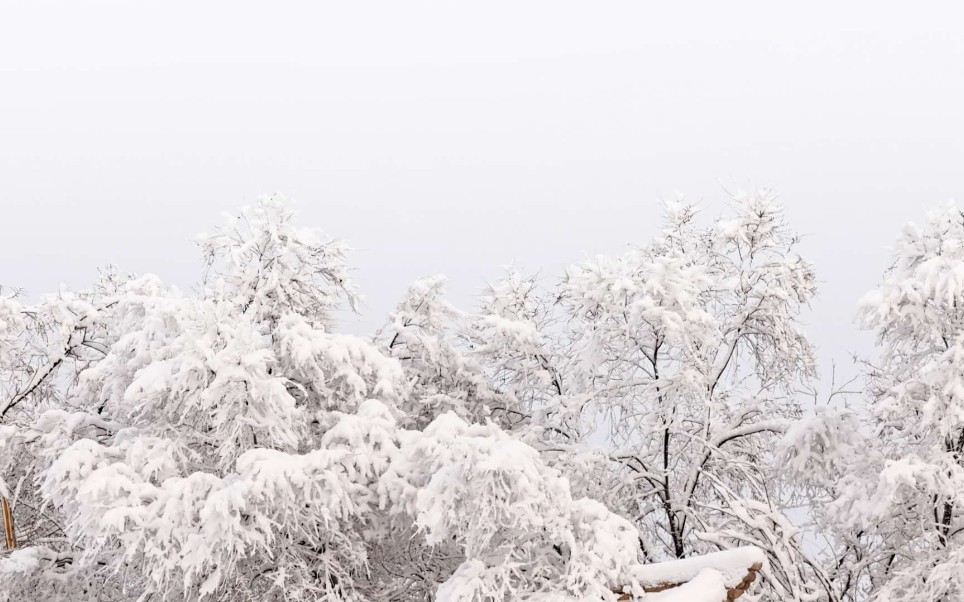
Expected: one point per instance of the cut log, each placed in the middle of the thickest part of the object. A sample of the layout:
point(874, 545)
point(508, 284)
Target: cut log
point(738, 569)
point(735, 592)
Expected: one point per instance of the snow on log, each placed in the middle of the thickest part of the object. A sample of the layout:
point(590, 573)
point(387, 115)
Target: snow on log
point(707, 586)
point(714, 577)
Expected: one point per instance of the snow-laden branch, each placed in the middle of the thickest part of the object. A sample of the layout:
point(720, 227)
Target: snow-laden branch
point(75, 336)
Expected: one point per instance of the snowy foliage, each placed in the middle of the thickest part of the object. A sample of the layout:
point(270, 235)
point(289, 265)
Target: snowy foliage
point(899, 500)
point(231, 445)
point(683, 355)
point(633, 425)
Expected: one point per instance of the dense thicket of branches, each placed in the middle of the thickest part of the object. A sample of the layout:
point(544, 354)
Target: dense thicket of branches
point(232, 444)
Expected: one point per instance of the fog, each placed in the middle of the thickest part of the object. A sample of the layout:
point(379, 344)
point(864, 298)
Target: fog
point(457, 138)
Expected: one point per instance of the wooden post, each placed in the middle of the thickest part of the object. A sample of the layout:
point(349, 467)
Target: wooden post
point(8, 524)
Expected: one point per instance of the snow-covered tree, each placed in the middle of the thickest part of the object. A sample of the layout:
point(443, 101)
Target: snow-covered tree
point(44, 347)
point(900, 490)
point(691, 350)
point(423, 335)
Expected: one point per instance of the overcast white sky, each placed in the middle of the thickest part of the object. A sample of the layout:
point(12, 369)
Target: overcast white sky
point(456, 137)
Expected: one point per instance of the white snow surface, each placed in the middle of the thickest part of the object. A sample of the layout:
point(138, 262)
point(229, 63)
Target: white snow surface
point(708, 586)
point(23, 560)
point(731, 565)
